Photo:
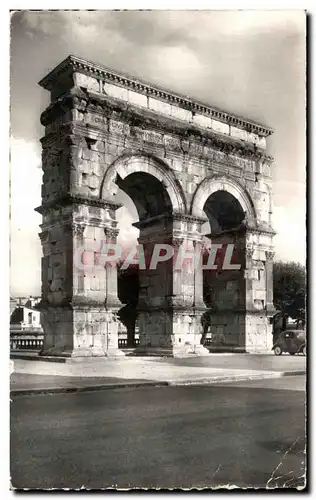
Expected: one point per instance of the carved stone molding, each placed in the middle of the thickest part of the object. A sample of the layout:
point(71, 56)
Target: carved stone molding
point(78, 229)
point(111, 233)
point(249, 251)
point(177, 242)
point(44, 236)
point(69, 199)
point(200, 142)
point(188, 218)
point(270, 255)
point(74, 64)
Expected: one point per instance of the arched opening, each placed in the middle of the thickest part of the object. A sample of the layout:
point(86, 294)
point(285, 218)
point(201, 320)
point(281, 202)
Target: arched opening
point(127, 279)
point(223, 211)
point(224, 283)
point(144, 219)
point(148, 194)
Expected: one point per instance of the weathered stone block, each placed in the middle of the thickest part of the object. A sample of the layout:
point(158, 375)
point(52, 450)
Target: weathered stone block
point(118, 127)
point(115, 91)
point(86, 82)
point(84, 167)
point(159, 106)
point(180, 113)
point(136, 98)
point(89, 154)
point(238, 133)
point(221, 127)
point(152, 137)
point(254, 138)
point(202, 121)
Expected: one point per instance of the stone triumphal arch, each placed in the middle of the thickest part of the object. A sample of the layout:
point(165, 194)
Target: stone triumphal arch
point(186, 166)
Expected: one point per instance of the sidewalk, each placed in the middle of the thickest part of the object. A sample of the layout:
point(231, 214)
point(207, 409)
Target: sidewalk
point(34, 376)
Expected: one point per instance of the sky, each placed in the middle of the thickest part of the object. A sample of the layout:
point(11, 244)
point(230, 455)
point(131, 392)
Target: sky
point(247, 62)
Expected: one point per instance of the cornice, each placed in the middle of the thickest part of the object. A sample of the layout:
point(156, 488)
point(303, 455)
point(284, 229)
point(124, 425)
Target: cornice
point(260, 229)
point(70, 199)
point(168, 218)
point(74, 64)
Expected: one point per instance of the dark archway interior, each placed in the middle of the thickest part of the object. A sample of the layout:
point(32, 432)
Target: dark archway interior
point(223, 290)
point(148, 194)
point(151, 199)
point(223, 211)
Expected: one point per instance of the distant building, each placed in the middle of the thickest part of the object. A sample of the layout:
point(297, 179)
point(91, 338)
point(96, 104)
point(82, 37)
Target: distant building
point(13, 304)
point(32, 302)
point(25, 318)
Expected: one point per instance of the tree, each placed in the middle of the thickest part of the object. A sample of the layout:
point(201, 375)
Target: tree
point(289, 289)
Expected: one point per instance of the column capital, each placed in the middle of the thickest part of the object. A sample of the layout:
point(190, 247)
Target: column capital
point(177, 241)
point(78, 229)
point(270, 254)
point(44, 236)
point(111, 233)
point(75, 228)
point(249, 251)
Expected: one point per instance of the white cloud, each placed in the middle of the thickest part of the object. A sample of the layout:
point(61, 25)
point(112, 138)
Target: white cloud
point(179, 62)
point(290, 240)
point(26, 179)
point(25, 245)
point(128, 234)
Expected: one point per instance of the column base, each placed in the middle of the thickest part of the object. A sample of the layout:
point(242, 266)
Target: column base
point(172, 351)
point(258, 334)
point(85, 332)
point(248, 331)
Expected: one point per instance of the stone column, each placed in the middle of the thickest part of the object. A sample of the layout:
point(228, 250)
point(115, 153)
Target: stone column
point(155, 282)
point(171, 296)
point(198, 277)
point(269, 282)
point(249, 252)
point(79, 292)
point(259, 296)
point(187, 297)
point(112, 302)
point(252, 333)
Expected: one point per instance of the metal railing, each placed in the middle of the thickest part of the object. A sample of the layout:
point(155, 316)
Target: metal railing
point(122, 343)
point(208, 341)
point(20, 343)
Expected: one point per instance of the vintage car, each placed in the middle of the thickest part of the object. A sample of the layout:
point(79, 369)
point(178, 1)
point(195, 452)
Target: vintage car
point(291, 341)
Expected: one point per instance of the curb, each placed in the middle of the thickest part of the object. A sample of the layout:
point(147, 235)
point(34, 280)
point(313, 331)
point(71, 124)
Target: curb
point(236, 378)
point(65, 390)
point(133, 385)
point(36, 357)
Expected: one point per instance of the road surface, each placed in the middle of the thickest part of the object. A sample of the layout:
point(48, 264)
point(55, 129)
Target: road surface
point(243, 434)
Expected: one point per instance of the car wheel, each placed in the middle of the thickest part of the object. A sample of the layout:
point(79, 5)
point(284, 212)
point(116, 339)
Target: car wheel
point(304, 350)
point(292, 353)
point(277, 351)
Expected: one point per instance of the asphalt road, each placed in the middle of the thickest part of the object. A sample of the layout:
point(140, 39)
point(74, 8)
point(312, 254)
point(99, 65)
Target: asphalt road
point(250, 434)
